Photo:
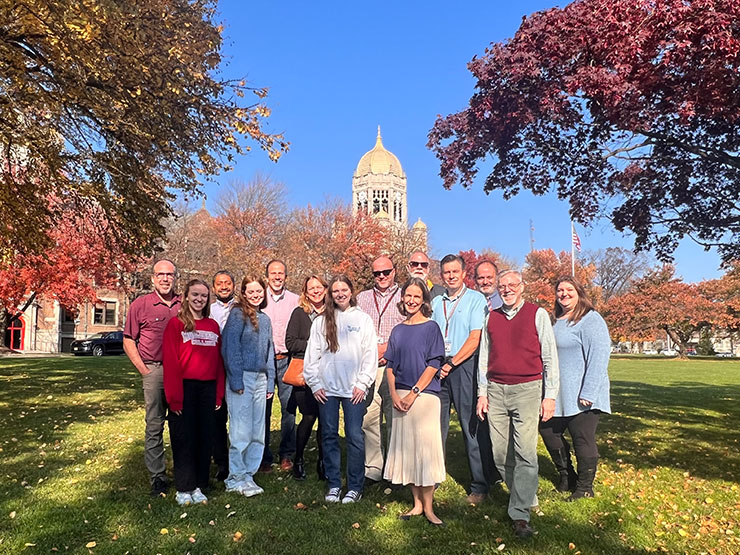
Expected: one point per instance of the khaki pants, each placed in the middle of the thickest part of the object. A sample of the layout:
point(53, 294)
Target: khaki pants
point(380, 405)
point(155, 405)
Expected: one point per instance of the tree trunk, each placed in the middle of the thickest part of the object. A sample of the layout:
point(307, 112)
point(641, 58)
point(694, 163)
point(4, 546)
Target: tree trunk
point(679, 342)
point(4, 322)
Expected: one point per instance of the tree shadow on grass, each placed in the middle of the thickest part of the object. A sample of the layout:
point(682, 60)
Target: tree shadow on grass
point(691, 426)
point(116, 513)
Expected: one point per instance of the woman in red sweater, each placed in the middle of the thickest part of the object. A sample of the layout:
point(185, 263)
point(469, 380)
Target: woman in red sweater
point(193, 384)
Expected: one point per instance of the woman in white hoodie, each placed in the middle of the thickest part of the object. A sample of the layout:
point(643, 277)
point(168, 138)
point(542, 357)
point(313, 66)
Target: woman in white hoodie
point(339, 366)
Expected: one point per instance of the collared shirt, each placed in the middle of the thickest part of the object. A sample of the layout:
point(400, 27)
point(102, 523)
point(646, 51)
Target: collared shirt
point(147, 317)
point(279, 308)
point(548, 348)
point(465, 313)
point(220, 311)
point(382, 306)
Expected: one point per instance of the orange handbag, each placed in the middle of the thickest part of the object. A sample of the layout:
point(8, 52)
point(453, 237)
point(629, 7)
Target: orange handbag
point(294, 373)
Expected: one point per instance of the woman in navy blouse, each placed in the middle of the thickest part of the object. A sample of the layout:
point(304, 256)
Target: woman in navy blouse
point(414, 356)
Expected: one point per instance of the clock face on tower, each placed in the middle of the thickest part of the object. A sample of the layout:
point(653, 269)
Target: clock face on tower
point(399, 196)
point(362, 196)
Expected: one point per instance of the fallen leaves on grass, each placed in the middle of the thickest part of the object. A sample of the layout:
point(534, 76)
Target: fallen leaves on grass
point(356, 525)
point(237, 536)
point(299, 506)
point(164, 531)
point(90, 545)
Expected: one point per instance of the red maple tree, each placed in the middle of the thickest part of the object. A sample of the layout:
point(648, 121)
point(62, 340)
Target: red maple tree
point(660, 302)
point(77, 262)
point(628, 108)
point(543, 268)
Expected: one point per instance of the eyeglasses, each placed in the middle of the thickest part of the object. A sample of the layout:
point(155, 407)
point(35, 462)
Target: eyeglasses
point(414, 264)
point(384, 273)
point(513, 286)
point(163, 275)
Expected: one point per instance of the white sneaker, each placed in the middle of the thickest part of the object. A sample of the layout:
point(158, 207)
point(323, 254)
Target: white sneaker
point(351, 497)
point(198, 496)
point(183, 498)
point(250, 489)
point(333, 495)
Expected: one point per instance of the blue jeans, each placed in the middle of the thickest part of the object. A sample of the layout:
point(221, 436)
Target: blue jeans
point(354, 438)
point(246, 428)
point(287, 420)
point(513, 418)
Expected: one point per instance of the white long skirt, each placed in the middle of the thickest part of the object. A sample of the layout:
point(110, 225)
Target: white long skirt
point(415, 454)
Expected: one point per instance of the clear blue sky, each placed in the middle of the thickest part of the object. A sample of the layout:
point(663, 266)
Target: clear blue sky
point(337, 70)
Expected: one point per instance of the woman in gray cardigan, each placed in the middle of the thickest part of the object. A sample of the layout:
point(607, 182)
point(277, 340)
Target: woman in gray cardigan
point(583, 345)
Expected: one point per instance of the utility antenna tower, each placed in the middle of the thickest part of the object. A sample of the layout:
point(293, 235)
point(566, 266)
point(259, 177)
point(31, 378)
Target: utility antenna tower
point(531, 235)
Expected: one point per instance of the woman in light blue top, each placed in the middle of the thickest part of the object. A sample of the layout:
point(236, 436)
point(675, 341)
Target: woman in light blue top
point(248, 354)
point(583, 345)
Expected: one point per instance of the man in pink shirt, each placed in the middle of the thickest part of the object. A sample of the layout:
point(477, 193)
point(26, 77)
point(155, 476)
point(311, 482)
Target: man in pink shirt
point(381, 303)
point(280, 305)
point(142, 340)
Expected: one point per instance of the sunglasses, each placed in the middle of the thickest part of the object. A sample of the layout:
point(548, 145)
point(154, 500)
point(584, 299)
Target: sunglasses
point(384, 273)
point(419, 264)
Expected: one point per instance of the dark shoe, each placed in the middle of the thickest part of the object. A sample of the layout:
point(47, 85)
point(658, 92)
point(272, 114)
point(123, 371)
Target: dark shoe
point(286, 464)
point(299, 472)
point(567, 474)
point(586, 475)
point(320, 471)
point(522, 529)
point(159, 487)
point(265, 468)
point(475, 498)
point(222, 474)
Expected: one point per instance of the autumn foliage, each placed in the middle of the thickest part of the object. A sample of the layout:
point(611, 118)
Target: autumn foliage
point(116, 104)
point(69, 272)
point(627, 108)
point(660, 302)
point(543, 268)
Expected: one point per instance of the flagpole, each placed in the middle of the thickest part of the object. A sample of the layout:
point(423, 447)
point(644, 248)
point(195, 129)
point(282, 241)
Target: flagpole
point(572, 250)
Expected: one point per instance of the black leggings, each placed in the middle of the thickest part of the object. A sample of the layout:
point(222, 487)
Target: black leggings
point(582, 428)
point(309, 408)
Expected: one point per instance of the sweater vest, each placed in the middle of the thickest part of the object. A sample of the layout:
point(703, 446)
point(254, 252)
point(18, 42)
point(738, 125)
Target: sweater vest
point(514, 354)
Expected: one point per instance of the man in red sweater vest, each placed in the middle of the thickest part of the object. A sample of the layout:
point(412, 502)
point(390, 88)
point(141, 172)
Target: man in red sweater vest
point(518, 380)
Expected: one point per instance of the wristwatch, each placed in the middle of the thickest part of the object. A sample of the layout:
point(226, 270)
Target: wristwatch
point(415, 390)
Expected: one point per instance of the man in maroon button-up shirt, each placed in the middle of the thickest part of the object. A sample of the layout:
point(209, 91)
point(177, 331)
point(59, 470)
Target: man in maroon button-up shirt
point(142, 340)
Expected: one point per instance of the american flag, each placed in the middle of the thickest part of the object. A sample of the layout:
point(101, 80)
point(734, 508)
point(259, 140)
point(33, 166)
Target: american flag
point(576, 240)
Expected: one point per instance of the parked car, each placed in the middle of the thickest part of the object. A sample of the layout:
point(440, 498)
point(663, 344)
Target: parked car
point(691, 351)
point(103, 343)
point(725, 355)
point(650, 352)
point(668, 353)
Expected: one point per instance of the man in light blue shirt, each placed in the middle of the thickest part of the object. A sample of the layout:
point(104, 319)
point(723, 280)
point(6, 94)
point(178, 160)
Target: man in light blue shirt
point(459, 312)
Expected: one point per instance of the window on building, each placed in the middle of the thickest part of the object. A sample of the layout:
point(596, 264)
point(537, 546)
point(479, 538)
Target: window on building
point(105, 313)
point(67, 316)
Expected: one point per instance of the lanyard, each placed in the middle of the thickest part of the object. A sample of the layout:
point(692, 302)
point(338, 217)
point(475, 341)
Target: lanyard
point(454, 307)
point(377, 306)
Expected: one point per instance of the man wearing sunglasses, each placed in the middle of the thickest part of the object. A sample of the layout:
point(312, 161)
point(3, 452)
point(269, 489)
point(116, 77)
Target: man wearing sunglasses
point(418, 266)
point(381, 303)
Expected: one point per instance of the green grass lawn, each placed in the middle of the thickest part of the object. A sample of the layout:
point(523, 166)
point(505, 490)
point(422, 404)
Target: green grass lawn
point(73, 477)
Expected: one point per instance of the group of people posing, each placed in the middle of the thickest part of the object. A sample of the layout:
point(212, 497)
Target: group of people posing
point(404, 353)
